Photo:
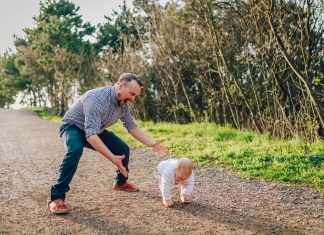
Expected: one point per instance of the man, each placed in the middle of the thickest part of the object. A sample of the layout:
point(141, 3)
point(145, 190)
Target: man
point(84, 125)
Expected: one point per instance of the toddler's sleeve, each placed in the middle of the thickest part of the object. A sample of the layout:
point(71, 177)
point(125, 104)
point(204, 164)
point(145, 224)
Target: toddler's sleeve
point(166, 186)
point(188, 185)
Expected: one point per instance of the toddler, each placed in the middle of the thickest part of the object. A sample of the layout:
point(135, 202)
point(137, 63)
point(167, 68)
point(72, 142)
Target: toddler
point(175, 173)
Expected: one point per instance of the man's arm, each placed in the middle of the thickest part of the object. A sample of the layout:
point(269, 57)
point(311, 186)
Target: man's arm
point(98, 145)
point(139, 135)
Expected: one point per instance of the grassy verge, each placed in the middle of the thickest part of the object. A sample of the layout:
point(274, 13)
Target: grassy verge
point(253, 155)
point(46, 115)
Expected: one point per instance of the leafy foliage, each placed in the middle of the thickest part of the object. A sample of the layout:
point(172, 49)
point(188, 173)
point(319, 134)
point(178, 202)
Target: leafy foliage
point(256, 65)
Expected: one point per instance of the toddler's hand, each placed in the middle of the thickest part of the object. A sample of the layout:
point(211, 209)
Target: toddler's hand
point(185, 199)
point(168, 203)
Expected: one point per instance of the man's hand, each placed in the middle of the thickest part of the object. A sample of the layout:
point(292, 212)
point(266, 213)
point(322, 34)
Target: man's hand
point(139, 135)
point(168, 203)
point(98, 145)
point(185, 199)
point(158, 147)
point(117, 161)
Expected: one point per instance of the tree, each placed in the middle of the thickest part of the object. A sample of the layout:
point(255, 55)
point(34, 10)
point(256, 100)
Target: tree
point(56, 54)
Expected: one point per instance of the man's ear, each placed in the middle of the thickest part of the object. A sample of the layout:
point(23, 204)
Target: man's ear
point(119, 85)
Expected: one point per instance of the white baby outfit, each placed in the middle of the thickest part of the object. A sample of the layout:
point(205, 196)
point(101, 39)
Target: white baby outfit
point(165, 173)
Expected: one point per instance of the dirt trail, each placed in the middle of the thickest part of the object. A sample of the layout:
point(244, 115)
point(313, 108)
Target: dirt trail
point(224, 203)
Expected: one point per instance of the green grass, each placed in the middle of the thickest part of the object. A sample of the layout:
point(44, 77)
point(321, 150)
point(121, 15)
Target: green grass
point(253, 155)
point(45, 114)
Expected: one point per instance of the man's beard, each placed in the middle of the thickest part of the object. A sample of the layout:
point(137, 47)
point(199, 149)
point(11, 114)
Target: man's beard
point(121, 101)
point(126, 101)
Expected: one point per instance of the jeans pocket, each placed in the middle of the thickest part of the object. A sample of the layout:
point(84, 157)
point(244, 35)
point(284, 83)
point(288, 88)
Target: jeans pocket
point(63, 128)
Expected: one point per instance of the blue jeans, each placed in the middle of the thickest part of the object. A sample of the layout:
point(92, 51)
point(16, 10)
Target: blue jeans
point(74, 141)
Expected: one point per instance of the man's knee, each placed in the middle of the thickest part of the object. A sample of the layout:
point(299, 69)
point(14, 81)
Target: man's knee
point(75, 150)
point(126, 150)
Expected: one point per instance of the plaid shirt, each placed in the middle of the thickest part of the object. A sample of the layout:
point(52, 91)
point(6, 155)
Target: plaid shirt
point(97, 109)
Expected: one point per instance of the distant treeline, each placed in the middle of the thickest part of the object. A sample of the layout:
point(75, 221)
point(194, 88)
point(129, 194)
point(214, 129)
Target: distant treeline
point(253, 64)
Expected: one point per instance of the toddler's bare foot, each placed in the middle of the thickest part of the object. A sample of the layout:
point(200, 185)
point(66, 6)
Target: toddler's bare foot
point(185, 199)
point(168, 203)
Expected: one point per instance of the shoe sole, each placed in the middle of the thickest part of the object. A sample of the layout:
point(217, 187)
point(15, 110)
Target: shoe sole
point(123, 189)
point(56, 212)
point(59, 212)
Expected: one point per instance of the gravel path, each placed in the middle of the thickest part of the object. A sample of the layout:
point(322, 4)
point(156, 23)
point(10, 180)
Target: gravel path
point(224, 203)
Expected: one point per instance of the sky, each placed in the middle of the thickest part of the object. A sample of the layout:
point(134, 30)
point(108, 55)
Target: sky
point(15, 15)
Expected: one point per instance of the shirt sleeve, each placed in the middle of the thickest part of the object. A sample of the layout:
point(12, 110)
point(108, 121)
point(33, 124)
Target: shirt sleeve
point(92, 115)
point(128, 120)
point(188, 185)
point(166, 186)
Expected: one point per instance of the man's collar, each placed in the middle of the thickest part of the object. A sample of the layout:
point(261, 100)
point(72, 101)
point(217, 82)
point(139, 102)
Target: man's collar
point(114, 98)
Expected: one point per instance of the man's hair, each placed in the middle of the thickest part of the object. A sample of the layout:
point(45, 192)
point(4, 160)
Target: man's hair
point(128, 77)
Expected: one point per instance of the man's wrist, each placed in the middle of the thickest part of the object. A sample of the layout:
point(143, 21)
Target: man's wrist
point(151, 144)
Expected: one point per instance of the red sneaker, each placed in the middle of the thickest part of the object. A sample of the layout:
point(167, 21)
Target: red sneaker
point(57, 206)
point(127, 187)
